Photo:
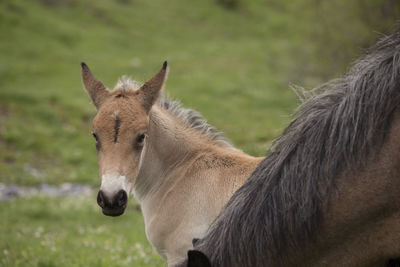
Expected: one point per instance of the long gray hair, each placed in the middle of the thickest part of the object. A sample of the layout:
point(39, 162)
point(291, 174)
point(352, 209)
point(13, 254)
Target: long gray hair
point(336, 130)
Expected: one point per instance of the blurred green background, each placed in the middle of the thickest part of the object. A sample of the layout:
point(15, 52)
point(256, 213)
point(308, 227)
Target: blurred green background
point(232, 60)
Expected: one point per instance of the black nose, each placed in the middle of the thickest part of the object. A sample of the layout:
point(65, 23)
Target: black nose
point(101, 199)
point(117, 202)
point(121, 199)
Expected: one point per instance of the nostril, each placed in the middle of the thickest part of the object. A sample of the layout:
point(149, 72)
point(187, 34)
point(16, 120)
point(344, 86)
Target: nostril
point(100, 199)
point(122, 198)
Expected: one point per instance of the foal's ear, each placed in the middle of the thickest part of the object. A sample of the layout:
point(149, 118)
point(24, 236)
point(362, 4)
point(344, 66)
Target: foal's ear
point(150, 90)
point(197, 259)
point(95, 89)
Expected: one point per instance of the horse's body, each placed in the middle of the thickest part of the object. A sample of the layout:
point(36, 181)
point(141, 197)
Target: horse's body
point(328, 193)
point(178, 167)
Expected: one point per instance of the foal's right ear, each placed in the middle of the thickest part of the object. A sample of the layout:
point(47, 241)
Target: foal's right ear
point(95, 89)
point(197, 259)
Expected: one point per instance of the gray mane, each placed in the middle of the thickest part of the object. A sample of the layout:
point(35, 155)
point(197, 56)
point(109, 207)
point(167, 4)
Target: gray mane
point(192, 118)
point(339, 128)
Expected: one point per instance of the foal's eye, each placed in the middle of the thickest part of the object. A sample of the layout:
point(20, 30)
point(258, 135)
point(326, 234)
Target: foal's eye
point(140, 139)
point(95, 136)
point(97, 140)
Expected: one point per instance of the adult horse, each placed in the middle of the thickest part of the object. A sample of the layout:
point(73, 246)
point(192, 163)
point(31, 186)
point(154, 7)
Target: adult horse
point(328, 192)
point(179, 167)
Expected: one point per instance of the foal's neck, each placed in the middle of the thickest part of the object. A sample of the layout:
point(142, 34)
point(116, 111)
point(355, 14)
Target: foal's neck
point(170, 143)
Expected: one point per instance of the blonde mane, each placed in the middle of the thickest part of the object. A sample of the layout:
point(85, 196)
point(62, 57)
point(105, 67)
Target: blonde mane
point(192, 118)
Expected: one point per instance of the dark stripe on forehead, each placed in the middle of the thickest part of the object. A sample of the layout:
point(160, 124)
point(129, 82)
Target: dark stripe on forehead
point(116, 128)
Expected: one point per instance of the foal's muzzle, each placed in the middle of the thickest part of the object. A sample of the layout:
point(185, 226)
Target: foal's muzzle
point(113, 206)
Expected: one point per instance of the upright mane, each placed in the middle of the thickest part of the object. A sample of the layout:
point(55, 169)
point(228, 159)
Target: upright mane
point(340, 126)
point(192, 118)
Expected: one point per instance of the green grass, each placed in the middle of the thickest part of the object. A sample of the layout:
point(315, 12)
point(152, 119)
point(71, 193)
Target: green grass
point(71, 231)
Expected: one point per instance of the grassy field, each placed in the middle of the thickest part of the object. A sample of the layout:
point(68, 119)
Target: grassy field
point(71, 231)
point(232, 65)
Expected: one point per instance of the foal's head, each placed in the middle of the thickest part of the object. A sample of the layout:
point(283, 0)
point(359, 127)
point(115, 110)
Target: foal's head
point(119, 130)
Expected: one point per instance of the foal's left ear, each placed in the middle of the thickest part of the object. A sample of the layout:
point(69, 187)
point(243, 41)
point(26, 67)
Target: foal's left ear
point(150, 90)
point(197, 259)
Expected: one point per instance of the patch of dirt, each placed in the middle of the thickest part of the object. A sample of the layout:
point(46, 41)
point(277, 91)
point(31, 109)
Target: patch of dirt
point(8, 192)
point(15, 9)
point(3, 111)
point(59, 3)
